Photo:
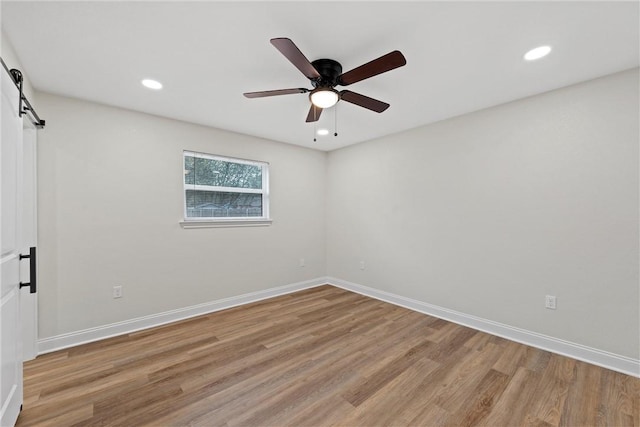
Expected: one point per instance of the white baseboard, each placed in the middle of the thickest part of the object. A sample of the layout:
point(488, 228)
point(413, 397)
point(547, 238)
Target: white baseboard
point(594, 356)
point(71, 339)
point(615, 362)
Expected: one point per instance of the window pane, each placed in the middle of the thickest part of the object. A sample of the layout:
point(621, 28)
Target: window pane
point(188, 170)
point(201, 171)
point(210, 204)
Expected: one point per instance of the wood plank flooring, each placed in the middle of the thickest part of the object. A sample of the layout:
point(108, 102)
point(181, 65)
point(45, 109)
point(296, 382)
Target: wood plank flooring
point(320, 357)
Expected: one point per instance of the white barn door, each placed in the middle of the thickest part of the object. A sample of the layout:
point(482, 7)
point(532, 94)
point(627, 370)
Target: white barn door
point(29, 238)
point(11, 200)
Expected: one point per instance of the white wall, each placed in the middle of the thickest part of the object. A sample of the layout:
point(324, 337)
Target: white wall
point(483, 214)
point(110, 199)
point(9, 56)
point(487, 213)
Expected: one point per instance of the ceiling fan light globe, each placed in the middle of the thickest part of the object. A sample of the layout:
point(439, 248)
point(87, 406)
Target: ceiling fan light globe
point(324, 98)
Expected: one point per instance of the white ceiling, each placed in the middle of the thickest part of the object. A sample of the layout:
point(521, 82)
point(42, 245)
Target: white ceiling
point(461, 57)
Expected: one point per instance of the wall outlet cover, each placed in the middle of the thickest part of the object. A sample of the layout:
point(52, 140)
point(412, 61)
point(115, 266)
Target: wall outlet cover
point(550, 302)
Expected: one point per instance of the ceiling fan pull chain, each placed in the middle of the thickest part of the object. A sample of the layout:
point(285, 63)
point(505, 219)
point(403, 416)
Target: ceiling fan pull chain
point(335, 120)
point(315, 129)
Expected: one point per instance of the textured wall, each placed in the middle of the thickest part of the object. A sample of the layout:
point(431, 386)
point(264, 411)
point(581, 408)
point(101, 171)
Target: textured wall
point(489, 212)
point(110, 202)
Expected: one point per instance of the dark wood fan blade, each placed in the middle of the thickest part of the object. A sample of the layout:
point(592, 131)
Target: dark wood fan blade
point(363, 101)
point(314, 113)
point(297, 58)
point(275, 92)
point(381, 65)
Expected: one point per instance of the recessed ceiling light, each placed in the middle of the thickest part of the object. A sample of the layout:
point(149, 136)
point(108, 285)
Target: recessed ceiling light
point(537, 53)
point(323, 132)
point(152, 84)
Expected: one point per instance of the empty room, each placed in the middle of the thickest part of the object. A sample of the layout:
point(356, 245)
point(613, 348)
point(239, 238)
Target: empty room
point(320, 213)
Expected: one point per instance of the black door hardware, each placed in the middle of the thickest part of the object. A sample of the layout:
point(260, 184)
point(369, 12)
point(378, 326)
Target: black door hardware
point(32, 270)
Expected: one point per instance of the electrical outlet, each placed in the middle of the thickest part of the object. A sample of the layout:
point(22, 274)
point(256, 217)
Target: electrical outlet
point(550, 302)
point(301, 262)
point(117, 291)
point(361, 265)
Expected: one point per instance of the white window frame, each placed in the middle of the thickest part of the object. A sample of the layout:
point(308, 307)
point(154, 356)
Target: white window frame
point(206, 222)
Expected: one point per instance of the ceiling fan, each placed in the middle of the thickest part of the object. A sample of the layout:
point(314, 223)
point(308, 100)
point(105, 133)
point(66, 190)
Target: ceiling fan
point(326, 74)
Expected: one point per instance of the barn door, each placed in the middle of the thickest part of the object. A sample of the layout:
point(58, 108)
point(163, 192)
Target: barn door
point(11, 246)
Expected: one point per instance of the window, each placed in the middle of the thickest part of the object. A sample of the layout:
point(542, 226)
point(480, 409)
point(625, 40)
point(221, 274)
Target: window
point(222, 191)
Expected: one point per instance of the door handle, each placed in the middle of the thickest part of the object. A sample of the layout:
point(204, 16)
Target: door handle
point(32, 270)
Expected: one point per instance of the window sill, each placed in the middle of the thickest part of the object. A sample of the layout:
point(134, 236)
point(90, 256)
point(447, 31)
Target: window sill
point(218, 223)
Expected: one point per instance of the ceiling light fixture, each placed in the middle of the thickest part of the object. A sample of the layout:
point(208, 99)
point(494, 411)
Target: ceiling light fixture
point(324, 97)
point(537, 53)
point(323, 132)
point(152, 84)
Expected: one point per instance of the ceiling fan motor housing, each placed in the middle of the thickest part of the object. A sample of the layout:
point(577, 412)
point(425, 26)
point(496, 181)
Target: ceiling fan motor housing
point(329, 71)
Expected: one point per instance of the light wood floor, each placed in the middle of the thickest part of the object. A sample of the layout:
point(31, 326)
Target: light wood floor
point(320, 357)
